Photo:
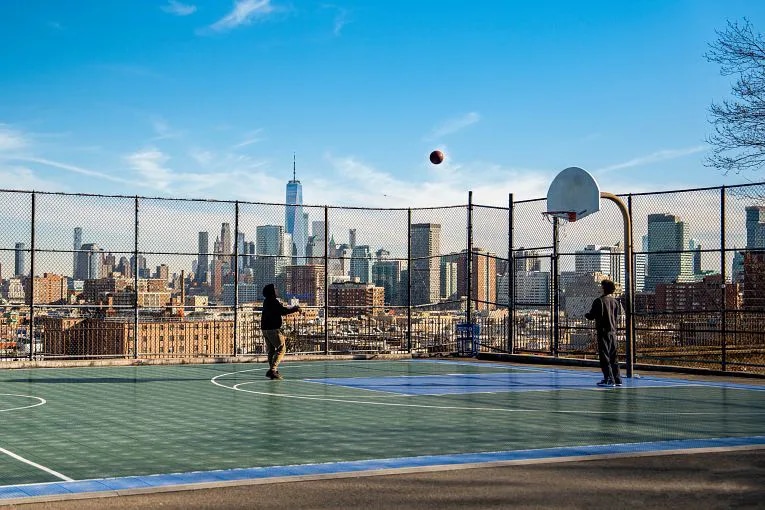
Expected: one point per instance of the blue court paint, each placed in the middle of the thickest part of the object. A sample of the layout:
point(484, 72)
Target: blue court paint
point(492, 382)
point(16, 492)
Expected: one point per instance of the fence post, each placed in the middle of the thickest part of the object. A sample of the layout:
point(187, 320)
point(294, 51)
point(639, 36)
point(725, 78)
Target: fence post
point(409, 282)
point(236, 275)
point(31, 332)
point(724, 304)
point(510, 277)
point(469, 270)
point(135, 282)
point(554, 291)
point(631, 280)
point(326, 280)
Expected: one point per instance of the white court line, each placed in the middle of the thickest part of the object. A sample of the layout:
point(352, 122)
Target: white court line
point(40, 401)
point(237, 387)
point(35, 464)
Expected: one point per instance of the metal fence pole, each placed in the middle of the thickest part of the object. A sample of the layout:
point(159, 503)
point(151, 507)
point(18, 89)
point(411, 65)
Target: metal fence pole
point(469, 270)
point(409, 283)
point(724, 303)
point(631, 281)
point(236, 276)
point(510, 277)
point(31, 332)
point(135, 282)
point(555, 287)
point(326, 280)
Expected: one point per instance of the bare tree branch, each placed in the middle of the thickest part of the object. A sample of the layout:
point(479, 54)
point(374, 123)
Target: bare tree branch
point(738, 136)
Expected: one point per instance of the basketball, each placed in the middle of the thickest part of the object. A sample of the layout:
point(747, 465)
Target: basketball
point(436, 157)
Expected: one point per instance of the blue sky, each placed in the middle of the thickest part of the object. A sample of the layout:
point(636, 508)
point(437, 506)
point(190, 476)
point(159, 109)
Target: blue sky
point(210, 99)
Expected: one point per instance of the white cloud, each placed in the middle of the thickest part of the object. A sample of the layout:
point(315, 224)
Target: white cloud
point(453, 125)
point(149, 164)
point(11, 139)
point(243, 13)
point(163, 130)
point(662, 155)
point(178, 8)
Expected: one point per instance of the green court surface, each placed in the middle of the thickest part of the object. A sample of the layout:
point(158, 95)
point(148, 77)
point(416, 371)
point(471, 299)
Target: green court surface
point(74, 424)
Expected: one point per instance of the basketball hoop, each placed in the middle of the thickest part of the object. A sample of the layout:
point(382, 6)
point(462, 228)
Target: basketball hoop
point(569, 216)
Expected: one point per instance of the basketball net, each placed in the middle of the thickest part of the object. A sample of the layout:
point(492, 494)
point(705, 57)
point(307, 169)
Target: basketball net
point(566, 216)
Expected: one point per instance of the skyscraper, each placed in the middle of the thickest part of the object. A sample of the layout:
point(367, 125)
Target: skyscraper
point(76, 246)
point(203, 264)
point(361, 263)
point(666, 233)
point(755, 227)
point(425, 276)
point(294, 220)
point(20, 259)
point(225, 243)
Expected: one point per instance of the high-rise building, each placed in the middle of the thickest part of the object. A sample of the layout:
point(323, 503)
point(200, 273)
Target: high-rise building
point(352, 237)
point(425, 251)
point(606, 260)
point(695, 248)
point(269, 240)
point(527, 260)
point(225, 243)
point(76, 247)
point(448, 278)
point(319, 240)
point(361, 263)
point(20, 260)
point(386, 273)
point(89, 262)
point(674, 263)
point(640, 265)
point(532, 288)
point(240, 250)
point(203, 261)
point(754, 280)
point(755, 227)
point(294, 220)
point(483, 278)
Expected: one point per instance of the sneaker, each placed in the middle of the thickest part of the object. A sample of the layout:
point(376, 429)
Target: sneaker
point(270, 374)
point(606, 382)
point(276, 375)
point(618, 382)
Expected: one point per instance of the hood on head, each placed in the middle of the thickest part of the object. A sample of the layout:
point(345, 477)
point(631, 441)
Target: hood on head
point(269, 290)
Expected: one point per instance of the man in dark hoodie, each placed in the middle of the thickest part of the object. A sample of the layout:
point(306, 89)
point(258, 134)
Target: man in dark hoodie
point(270, 322)
point(605, 312)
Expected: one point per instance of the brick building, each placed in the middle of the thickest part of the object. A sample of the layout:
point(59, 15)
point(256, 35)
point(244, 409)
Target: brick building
point(351, 299)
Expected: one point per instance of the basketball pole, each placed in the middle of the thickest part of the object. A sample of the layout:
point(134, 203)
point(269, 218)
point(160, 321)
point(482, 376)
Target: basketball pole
point(630, 331)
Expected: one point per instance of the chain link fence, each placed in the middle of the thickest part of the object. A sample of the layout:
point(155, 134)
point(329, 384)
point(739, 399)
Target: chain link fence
point(90, 276)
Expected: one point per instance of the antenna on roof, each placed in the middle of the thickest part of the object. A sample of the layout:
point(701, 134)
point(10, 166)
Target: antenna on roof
point(294, 177)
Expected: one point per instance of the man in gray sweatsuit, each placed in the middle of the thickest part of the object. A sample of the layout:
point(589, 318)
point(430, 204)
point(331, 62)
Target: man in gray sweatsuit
point(605, 312)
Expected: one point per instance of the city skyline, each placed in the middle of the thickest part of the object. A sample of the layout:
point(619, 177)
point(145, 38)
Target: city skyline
point(511, 93)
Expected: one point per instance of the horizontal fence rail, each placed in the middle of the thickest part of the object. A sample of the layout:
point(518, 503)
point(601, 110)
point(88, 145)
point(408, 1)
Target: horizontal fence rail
point(85, 276)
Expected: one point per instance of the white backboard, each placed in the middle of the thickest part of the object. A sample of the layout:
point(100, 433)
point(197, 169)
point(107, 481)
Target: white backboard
point(573, 191)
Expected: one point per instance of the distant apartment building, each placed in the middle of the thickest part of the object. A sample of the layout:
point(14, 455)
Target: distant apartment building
point(532, 288)
point(48, 289)
point(71, 337)
point(581, 288)
point(361, 263)
point(351, 299)
point(386, 273)
point(754, 281)
point(705, 295)
point(483, 276)
point(20, 260)
point(306, 283)
point(527, 260)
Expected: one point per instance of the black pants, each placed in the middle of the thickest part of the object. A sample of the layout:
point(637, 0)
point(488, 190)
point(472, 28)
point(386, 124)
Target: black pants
point(609, 363)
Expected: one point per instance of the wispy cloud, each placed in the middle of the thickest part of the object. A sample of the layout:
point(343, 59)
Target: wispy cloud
point(662, 155)
point(150, 165)
point(163, 130)
point(178, 8)
point(243, 13)
point(453, 125)
point(340, 20)
point(72, 168)
point(11, 139)
point(249, 139)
